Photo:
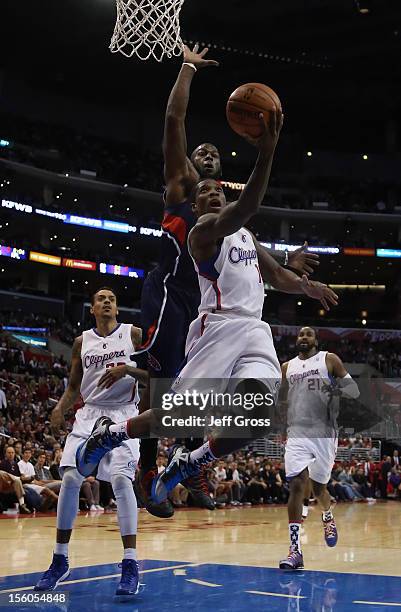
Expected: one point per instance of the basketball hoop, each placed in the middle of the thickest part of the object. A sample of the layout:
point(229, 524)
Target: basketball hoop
point(147, 28)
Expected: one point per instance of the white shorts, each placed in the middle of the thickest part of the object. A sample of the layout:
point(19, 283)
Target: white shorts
point(121, 460)
point(223, 347)
point(316, 454)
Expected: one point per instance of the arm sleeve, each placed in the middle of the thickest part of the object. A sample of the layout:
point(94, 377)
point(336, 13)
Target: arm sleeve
point(348, 387)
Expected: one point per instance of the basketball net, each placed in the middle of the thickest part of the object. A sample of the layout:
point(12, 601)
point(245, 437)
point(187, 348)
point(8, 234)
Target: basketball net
point(147, 28)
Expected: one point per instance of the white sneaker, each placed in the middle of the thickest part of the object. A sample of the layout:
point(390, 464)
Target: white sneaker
point(93, 508)
point(99, 508)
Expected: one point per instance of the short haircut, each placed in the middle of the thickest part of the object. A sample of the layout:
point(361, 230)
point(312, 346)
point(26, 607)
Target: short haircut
point(313, 329)
point(101, 289)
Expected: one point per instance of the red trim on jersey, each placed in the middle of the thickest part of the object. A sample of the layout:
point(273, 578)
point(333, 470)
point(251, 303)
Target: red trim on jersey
point(149, 335)
point(218, 295)
point(175, 226)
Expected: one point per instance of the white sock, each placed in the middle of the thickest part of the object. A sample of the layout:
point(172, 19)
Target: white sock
point(119, 428)
point(21, 501)
point(305, 511)
point(295, 536)
point(327, 515)
point(61, 549)
point(202, 455)
point(130, 553)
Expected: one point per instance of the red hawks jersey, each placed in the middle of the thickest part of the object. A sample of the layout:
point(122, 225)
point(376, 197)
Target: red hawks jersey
point(230, 282)
point(99, 353)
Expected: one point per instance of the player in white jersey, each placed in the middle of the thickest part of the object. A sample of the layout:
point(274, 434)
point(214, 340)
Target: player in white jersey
point(103, 373)
point(228, 340)
point(313, 382)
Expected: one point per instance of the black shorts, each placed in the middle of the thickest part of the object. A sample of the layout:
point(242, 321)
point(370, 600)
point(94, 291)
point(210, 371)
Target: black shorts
point(167, 310)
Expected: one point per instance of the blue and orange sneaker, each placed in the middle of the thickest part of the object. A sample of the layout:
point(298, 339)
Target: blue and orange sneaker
point(129, 583)
point(330, 532)
point(58, 571)
point(178, 469)
point(294, 561)
point(90, 453)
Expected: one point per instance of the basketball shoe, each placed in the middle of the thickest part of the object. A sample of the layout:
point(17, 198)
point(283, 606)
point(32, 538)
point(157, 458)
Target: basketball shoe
point(199, 491)
point(330, 532)
point(58, 571)
point(178, 469)
point(90, 453)
point(294, 561)
point(143, 482)
point(129, 583)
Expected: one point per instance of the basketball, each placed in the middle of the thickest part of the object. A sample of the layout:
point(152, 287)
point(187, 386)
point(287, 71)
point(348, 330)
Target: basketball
point(245, 104)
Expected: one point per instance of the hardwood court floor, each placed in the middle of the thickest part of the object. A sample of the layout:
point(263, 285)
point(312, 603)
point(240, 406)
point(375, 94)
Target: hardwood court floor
point(369, 543)
point(369, 539)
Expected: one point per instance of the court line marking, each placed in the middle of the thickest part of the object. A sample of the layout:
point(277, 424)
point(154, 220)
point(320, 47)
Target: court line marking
point(202, 582)
point(93, 578)
point(377, 603)
point(277, 595)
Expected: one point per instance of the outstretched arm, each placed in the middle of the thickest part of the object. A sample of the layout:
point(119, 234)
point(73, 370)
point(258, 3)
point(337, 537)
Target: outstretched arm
point(301, 261)
point(286, 281)
point(212, 227)
point(179, 173)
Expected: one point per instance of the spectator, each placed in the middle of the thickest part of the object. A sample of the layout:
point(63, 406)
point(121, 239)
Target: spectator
point(364, 486)
point(28, 471)
point(385, 468)
point(90, 491)
point(10, 479)
point(395, 459)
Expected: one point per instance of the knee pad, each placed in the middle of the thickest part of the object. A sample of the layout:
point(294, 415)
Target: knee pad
point(68, 501)
point(71, 478)
point(127, 509)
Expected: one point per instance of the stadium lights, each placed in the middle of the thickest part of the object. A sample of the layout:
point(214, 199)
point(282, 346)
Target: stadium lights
point(75, 199)
point(299, 303)
point(365, 157)
point(111, 206)
point(125, 185)
point(363, 321)
point(67, 175)
point(74, 239)
point(309, 154)
point(364, 313)
point(110, 244)
point(234, 153)
point(322, 312)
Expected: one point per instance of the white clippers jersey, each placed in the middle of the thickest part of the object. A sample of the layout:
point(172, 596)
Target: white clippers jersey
point(99, 353)
point(231, 282)
point(311, 412)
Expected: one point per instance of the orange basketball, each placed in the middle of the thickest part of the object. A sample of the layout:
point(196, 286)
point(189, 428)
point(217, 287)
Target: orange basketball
point(245, 104)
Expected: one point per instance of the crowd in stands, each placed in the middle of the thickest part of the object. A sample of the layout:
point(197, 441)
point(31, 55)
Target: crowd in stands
point(66, 150)
point(32, 382)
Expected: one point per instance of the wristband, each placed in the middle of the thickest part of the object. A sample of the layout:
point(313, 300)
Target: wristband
point(190, 65)
point(286, 259)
